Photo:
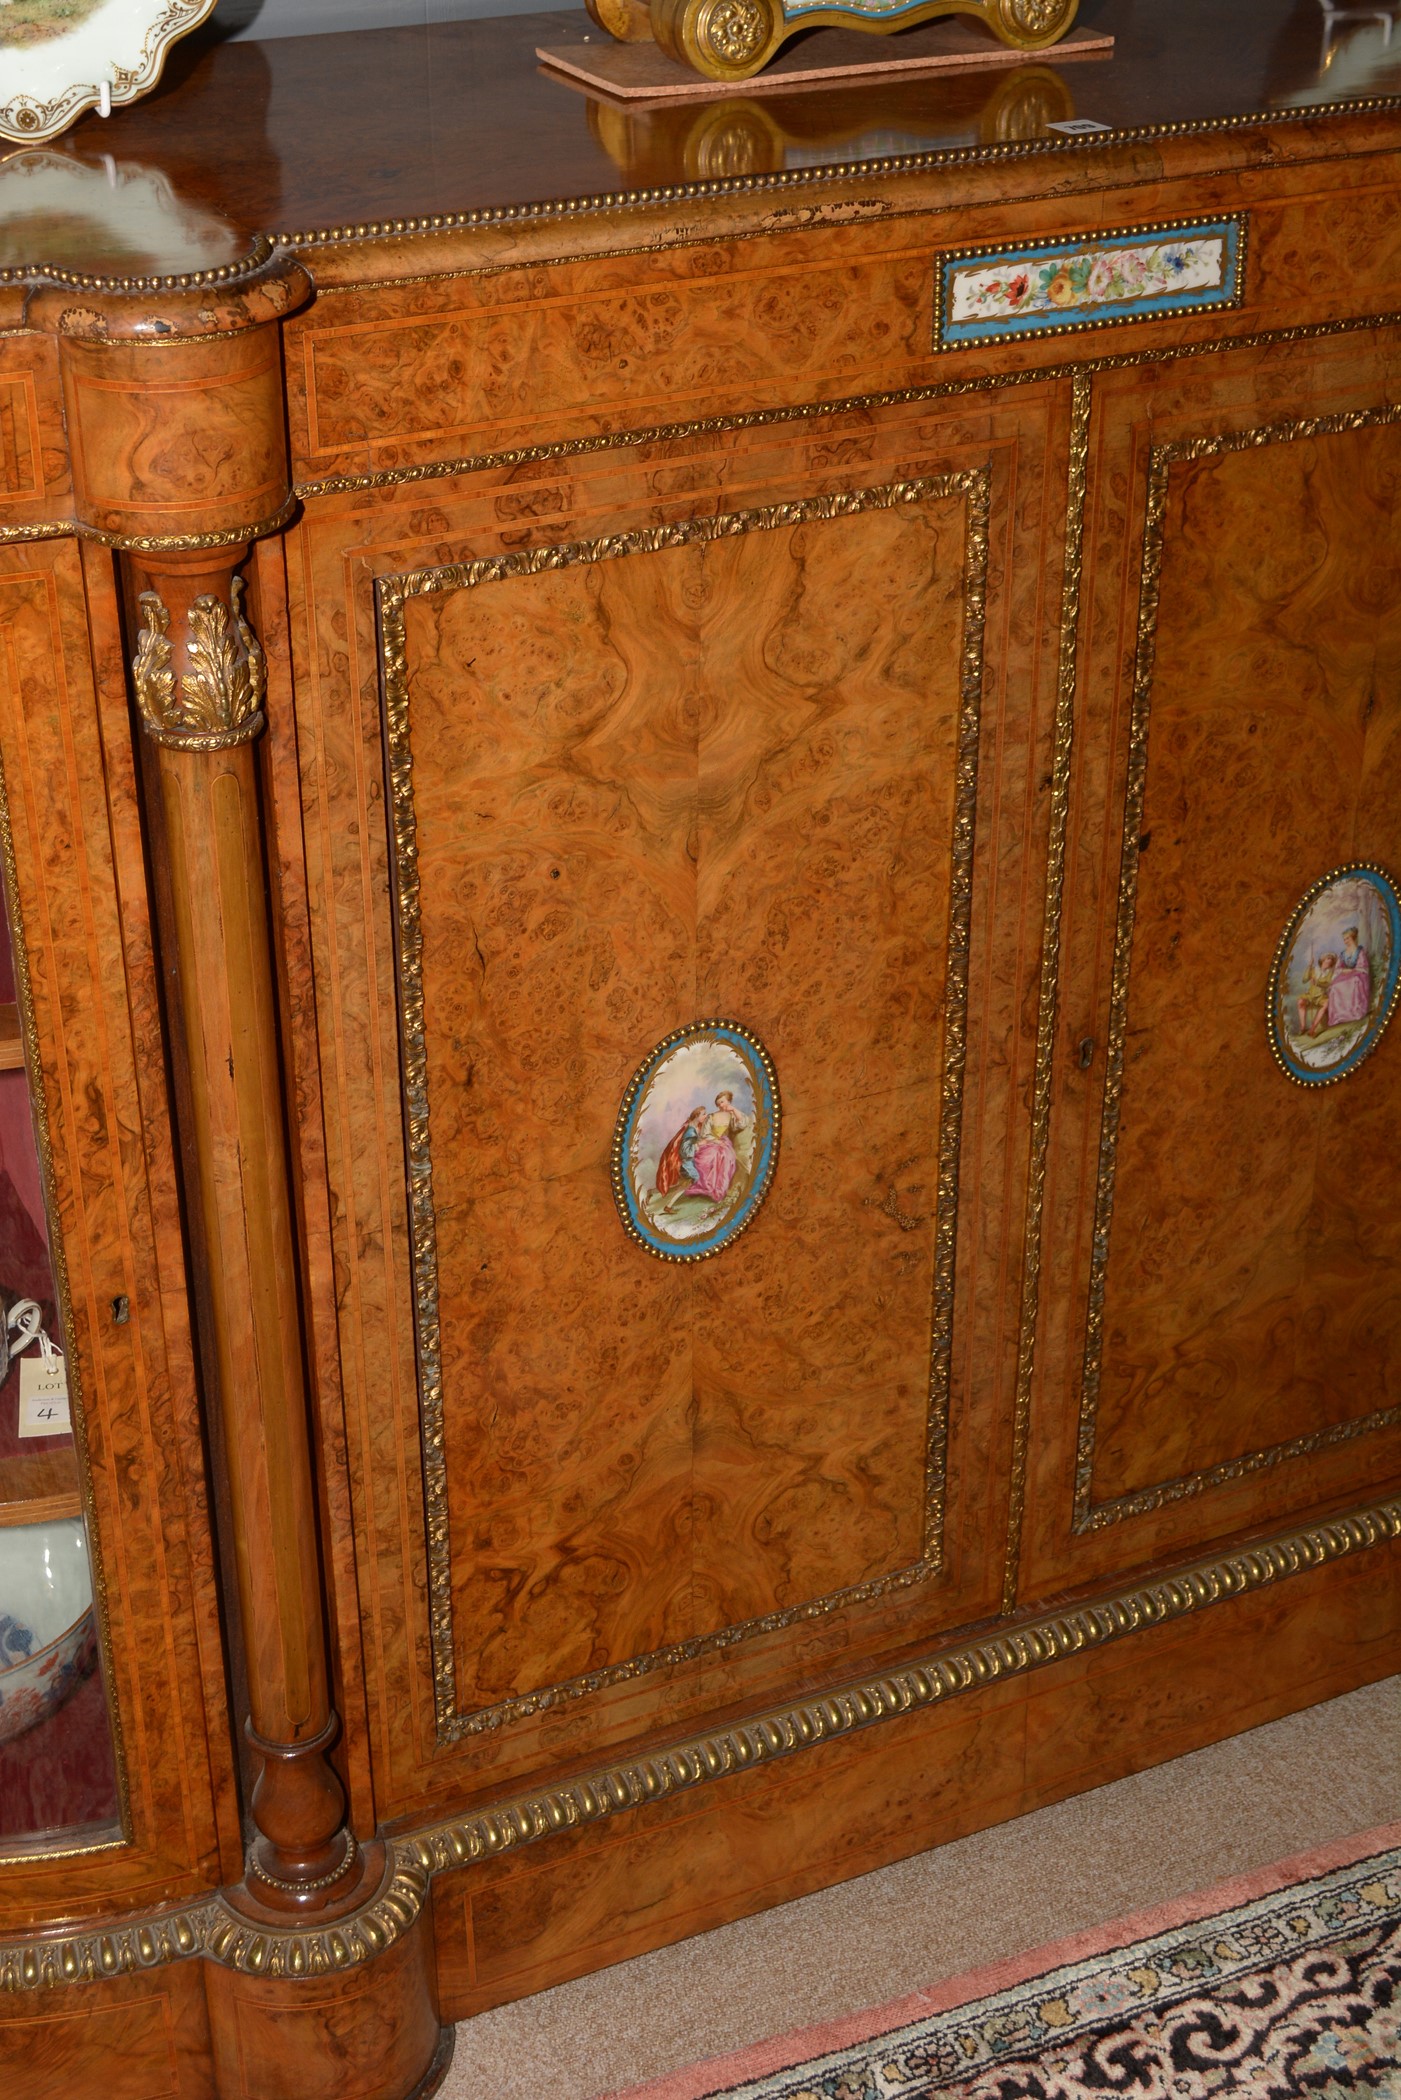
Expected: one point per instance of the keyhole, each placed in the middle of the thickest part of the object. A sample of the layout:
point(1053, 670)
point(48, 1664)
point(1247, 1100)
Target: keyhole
point(1085, 1053)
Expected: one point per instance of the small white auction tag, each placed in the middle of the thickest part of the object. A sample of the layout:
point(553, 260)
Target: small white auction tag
point(43, 1395)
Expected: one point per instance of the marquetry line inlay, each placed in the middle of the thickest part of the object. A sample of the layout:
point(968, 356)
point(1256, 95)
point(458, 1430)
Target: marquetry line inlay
point(393, 592)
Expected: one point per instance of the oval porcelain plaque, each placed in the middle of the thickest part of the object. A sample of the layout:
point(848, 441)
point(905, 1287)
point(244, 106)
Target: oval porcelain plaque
point(1335, 974)
point(696, 1141)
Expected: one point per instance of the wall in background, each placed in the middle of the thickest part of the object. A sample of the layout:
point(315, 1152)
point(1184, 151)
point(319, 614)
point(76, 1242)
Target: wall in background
point(264, 18)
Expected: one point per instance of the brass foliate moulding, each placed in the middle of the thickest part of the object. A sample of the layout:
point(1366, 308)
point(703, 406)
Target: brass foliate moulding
point(217, 1932)
point(218, 702)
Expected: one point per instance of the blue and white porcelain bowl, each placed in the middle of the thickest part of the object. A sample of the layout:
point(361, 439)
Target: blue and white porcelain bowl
point(48, 1640)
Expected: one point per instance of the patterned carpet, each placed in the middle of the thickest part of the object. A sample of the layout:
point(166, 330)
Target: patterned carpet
point(1294, 1992)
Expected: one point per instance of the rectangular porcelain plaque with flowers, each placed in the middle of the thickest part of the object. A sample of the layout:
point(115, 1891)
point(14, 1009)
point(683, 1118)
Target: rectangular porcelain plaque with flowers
point(1089, 281)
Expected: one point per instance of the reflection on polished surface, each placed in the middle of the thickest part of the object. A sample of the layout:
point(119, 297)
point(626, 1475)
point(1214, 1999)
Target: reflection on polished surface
point(460, 117)
point(691, 142)
point(113, 216)
point(1359, 54)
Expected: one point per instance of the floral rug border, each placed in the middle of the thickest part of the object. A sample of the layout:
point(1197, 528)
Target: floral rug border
point(1076, 1999)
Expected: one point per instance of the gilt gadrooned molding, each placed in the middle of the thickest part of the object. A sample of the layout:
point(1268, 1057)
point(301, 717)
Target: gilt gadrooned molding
point(1089, 1515)
point(974, 486)
point(215, 1930)
point(218, 702)
point(948, 1673)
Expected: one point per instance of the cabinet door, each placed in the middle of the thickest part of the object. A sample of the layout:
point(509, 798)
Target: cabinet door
point(113, 1786)
point(752, 727)
point(1220, 1344)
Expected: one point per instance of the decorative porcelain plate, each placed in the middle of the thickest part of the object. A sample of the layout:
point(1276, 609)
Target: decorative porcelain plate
point(1335, 974)
point(60, 57)
point(696, 1140)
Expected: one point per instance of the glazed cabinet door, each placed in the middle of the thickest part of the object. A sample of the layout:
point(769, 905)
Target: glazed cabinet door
point(114, 1787)
point(1220, 1337)
point(752, 728)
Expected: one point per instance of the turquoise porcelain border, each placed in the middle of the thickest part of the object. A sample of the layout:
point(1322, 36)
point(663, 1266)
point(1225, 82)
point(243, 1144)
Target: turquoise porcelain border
point(758, 1069)
point(1067, 269)
point(1382, 1000)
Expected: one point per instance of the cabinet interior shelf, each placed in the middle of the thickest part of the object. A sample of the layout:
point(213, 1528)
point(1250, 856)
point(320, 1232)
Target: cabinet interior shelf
point(38, 1486)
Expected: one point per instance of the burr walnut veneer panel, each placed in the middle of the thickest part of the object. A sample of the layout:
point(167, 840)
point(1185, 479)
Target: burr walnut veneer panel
point(521, 1924)
point(528, 339)
point(702, 767)
point(1222, 1338)
point(719, 778)
point(584, 620)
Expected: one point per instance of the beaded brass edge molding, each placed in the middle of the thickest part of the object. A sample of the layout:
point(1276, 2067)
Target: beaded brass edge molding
point(1062, 749)
point(39, 273)
point(804, 411)
point(217, 1932)
point(58, 1262)
point(805, 178)
point(1090, 1515)
point(393, 592)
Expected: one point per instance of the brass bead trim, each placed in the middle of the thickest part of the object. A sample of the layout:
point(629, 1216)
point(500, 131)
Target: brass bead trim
point(805, 178)
point(306, 1888)
point(849, 404)
point(39, 274)
point(214, 1930)
point(47, 529)
point(1090, 1515)
point(1062, 750)
point(393, 592)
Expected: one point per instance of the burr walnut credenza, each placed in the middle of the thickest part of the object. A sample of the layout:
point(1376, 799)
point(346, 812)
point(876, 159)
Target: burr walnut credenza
point(698, 1095)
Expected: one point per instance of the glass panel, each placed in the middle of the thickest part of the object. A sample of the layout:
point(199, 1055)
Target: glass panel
point(58, 1782)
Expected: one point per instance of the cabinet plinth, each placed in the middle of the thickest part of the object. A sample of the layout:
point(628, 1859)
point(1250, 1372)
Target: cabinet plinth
point(661, 841)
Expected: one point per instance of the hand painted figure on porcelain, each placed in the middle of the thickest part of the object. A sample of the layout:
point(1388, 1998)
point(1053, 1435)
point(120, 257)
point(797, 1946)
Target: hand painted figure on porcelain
point(702, 1159)
point(1350, 993)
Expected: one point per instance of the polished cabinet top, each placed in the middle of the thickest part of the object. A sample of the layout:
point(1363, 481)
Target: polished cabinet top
point(307, 135)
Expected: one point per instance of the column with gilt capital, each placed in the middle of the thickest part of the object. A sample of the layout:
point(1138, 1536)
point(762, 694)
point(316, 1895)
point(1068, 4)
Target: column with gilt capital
point(176, 439)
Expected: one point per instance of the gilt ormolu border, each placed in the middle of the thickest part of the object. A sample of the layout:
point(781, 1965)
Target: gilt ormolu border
point(214, 1930)
point(1062, 751)
point(393, 592)
point(1090, 1515)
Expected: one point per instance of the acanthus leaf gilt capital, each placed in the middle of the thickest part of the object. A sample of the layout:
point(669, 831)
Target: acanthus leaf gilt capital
point(218, 701)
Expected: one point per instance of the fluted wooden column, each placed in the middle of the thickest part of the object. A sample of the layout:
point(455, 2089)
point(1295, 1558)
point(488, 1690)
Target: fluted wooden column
point(179, 458)
point(199, 683)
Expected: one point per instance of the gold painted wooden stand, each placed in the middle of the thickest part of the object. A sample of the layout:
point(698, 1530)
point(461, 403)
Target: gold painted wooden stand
point(734, 39)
